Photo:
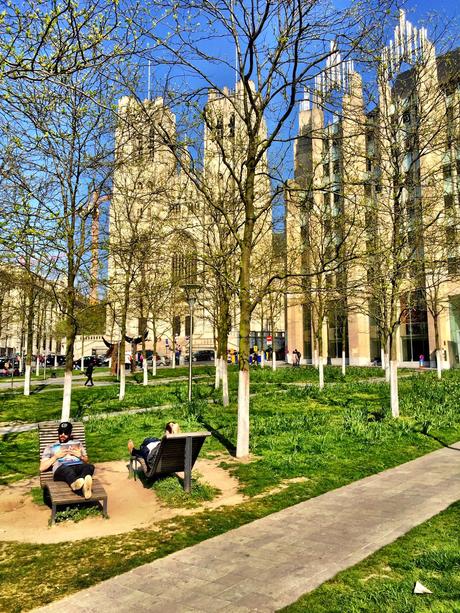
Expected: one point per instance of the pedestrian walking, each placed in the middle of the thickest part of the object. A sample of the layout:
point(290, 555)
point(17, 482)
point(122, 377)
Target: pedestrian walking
point(89, 374)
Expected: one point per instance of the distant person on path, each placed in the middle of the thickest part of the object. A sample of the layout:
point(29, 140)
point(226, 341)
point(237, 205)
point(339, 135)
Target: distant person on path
point(89, 373)
point(296, 358)
point(421, 360)
point(69, 461)
point(149, 447)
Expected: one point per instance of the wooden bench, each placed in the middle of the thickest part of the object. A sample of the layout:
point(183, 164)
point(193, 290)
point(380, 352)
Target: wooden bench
point(58, 492)
point(176, 453)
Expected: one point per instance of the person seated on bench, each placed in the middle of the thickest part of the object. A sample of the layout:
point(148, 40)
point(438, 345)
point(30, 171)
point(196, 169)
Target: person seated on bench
point(69, 460)
point(149, 447)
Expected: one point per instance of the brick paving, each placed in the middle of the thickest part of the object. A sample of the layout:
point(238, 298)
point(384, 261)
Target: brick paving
point(271, 562)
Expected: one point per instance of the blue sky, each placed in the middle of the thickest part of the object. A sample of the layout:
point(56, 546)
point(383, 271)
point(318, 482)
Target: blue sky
point(423, 7)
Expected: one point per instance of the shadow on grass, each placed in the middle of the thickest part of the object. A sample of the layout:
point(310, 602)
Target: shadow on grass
point(440, 441)
point(229, 446)
point(38, 388)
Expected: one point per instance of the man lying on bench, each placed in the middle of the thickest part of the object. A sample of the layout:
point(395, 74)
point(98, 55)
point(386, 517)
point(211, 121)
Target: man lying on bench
point(69, 461)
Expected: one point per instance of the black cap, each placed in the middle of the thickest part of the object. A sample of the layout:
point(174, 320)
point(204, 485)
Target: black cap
point(65, 427)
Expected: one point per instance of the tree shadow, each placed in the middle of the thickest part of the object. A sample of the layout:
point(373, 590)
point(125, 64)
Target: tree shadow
point(440, 441)
point(229, 446)
point(38, 388)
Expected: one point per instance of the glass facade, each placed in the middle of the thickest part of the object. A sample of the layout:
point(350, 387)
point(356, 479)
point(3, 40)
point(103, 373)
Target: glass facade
point(414, 328)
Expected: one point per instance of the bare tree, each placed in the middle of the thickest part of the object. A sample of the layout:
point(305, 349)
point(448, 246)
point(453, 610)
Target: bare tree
point(277, 51)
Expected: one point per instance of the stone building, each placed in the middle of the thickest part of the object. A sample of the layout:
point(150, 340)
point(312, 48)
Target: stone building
point(374, 207)
point(172, 225)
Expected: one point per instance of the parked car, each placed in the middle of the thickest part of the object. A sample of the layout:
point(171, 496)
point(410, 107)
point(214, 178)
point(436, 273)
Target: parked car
point(202, 355)
point(50, 359)
point(162, 360)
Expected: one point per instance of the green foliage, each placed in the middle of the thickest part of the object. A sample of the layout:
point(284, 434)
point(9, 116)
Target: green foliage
point(37, 496)
point(77, 512)
point(171, 492)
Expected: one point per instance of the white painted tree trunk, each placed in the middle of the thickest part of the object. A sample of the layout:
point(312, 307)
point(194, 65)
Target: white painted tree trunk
point(315, 358)
point(387, 367)
point(37, 366)
point(273, 360)
point(218, 367)
point(438, 363)
point(121, 394)
point(82, 359)
point(146, 372)
point(67, 396)
point(154, 365)
point(224, 376)
point(321, 372)
point(344, 366)
point(27, 380)
point(394, 397)
point(262, 358)
point(382, 357)
point(242, 444)
point(55, 361)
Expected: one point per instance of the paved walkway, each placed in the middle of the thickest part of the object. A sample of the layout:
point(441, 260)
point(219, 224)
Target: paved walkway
point(271, 562)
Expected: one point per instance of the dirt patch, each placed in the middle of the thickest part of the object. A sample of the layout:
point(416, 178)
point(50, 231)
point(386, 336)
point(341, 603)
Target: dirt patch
point(130, 506)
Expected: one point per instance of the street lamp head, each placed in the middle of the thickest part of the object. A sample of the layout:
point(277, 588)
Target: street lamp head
point(190, 291)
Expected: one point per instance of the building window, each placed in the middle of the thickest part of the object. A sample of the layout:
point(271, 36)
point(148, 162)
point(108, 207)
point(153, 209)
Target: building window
point(219, 130)
point(187, 326)
point(152, 142)
point(184, 268)
point(176, 325)
point(453, 265)
point(231, 126)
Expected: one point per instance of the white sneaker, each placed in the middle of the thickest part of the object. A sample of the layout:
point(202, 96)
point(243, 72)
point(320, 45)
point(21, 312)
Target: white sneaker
point(77, 484)
point(87, 487)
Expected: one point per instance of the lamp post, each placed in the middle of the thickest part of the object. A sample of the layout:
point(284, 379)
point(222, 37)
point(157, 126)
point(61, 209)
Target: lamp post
point(190, 291)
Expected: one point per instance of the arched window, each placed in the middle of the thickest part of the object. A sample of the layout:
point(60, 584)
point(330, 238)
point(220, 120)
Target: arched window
point(184, 261)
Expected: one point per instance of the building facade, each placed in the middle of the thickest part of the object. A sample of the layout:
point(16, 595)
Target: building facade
point(172, 225)
point(372, 211)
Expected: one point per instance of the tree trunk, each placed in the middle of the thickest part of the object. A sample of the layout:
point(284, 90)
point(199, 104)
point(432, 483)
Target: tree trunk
point(394, 398)
point(387, 360)
point(122, 352)
point(319, 340)
point(82, 359)
point(217, 378)
point(438, 347)
point(321, 372)
point(71, 333)
point(224, 375)
point(173, 348)
point(438, 363)
point(122, 390)
point(144, 363)
point(242, 447)
point(343, 363)
point(29, 344)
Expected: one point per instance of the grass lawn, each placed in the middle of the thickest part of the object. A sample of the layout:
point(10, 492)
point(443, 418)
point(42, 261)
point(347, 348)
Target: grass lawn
point(45, 405)
point(330, 438)
point(429, 553)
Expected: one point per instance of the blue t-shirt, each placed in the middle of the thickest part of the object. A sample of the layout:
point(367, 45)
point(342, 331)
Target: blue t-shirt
point(67, 460)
